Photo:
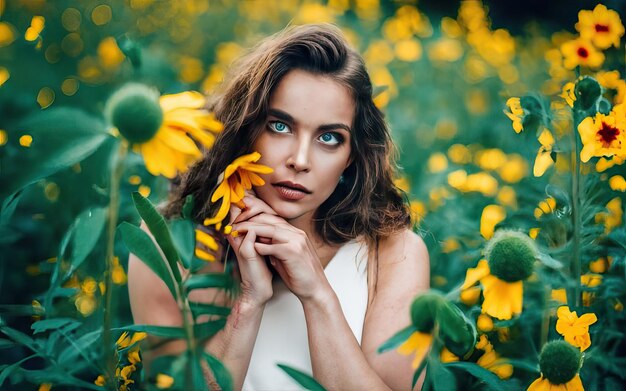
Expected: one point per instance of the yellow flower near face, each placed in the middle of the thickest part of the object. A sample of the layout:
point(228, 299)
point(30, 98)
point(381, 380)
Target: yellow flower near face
point(602, 26)
point(209, 242)
point(601, 136)
point(238, 177)
point(516, 113)
point(418, 343)
point(172, 149)
point(543, 384)
point(575, 329)
point(581, 51)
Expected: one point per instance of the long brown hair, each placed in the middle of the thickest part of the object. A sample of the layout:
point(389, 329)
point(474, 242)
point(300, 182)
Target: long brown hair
point(366, 203)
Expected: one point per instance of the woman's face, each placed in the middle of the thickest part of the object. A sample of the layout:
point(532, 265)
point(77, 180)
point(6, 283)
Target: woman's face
point(306, 140)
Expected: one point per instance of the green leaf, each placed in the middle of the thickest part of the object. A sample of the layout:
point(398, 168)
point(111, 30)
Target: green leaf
point(490, 379)
point(441, 378)
point(158, 229)
point(305, 380)
point(524, 364)
point(52, 324)
point(8, 207)
point(140, 244)
point(79, 347)
point(57, 376)
point(197, 375)
point(208, 329)
point(221, 373)
point(88, 227)
point(7, 370)
point(183, 235)
point(50, 150)
point(397, 339)
point(21, 338)
point(21, 309)
point(209, 280)
point(208, 309)
point(5, 343)
point(157, 331)
point(188, 207)
point(549, 262)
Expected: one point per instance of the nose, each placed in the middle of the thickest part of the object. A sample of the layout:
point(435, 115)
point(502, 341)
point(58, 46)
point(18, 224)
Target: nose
point(299, 159)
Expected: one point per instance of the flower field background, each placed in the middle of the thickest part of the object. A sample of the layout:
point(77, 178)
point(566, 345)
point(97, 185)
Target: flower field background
point(512, 141)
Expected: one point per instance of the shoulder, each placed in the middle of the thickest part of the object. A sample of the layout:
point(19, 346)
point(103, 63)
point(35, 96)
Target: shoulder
point(404, 249)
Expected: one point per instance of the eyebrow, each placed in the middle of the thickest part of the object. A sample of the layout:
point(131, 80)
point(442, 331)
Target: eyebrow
point(288, 118)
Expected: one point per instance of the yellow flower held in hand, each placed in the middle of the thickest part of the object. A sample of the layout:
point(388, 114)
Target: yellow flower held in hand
point(238, 177)
point(575, 329)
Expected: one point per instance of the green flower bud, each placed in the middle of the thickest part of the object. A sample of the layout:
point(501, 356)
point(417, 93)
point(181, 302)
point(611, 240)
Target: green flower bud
point(423, 310)
point(135, 111)
point(511, 255)
point(604, 106)
point(587, 92)
point(458, 332)
point(559, 362)
point(535, 113)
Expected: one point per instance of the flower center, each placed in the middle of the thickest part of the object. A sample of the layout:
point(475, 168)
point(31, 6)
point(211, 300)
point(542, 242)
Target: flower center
point(601, 28)
point(559, 361)
point(582, 52)
point(607, 134)
point(511, 255)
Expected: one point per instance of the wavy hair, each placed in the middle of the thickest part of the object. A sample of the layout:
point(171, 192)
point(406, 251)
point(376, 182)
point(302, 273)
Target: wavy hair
point(366, 203)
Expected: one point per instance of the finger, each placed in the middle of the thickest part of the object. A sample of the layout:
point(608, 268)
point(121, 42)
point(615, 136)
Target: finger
point(235, 211)
point(273, 232)
point(279, 251)
point(254, 207)
point(264, 218)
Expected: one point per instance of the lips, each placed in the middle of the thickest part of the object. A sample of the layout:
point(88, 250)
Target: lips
point(290, 191)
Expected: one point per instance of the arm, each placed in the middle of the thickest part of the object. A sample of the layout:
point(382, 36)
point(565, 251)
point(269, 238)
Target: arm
point(338, 360)
point(152, 303)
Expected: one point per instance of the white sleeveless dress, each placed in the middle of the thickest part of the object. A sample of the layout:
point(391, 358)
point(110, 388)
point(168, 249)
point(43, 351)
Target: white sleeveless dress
point(282, 336)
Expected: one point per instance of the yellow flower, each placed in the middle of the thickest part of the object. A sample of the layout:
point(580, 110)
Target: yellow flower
point(470, 295)
point(543, 384)
point(164, 381)
point(238, 177)
point(612, 218)
point(484, 323)
point(568, 94)
point(172, 149)
point(617, 183)
point(516, 113)
point(559, 295)
point(209, 242)
point(100, 381)
point(545, 207)
point(543, 161)
point(125, 340)
point(601, 136)
point(614, 86)
point(418, 343)
point(590, 280)
point(447, 356)
point(581, 52)
point(491, 360)
point(602, 26)
point(575, 329)
point(491, 216)
point(502, 299)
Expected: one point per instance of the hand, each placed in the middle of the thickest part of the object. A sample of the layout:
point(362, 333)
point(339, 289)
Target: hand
point(291, 253)
point(256, 278)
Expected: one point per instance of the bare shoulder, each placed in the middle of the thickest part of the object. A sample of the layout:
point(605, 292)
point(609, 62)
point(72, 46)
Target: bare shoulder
point(405, 251)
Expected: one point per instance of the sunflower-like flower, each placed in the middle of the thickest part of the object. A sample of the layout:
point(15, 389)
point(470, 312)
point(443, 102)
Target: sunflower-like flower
point(510, 257)
point(559, 363)
point(238, 177)
point(544, 160)
point(601, 135)
point(164, 130)
point(575, 329)
point(601, 26)
point(491, 360)
point(581, 52)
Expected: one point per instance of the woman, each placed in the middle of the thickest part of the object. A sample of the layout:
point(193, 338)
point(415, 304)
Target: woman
point(328, 219)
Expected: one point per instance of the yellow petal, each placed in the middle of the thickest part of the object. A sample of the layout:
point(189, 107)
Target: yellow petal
point(185, 99)
point(473, 275)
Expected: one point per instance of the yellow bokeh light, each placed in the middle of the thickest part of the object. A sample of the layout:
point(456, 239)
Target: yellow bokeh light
point(26, 140)
point(4, 75)
point(69, 86)
point(45, 97)
point(71, 19)
point(72, 44)
point(101, 15)
point(3, 137)
point(7, 34)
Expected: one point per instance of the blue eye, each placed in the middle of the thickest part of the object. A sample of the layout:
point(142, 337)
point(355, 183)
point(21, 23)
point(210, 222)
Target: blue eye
point(278, 127)
point(331, 138)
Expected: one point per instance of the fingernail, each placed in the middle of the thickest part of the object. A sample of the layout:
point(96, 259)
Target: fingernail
point(234, 233)
point(228, 229)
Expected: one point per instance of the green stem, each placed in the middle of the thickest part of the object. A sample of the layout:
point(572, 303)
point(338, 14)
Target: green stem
point(575, 268)
point(183, 305)
point(112, 217)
